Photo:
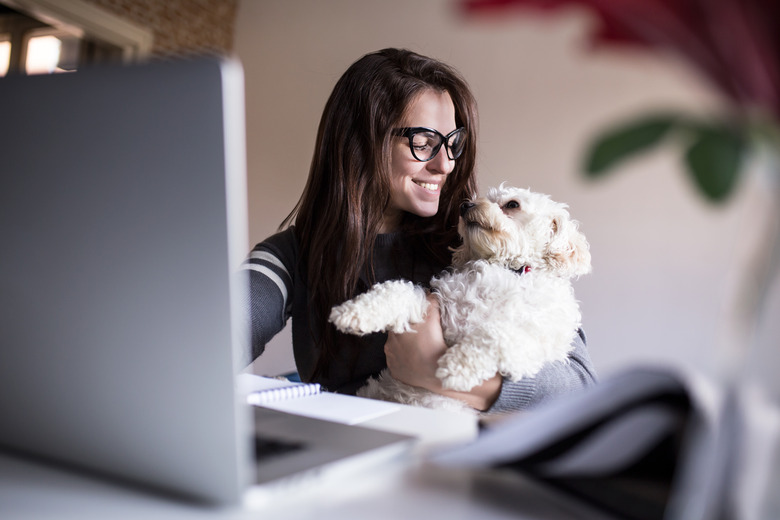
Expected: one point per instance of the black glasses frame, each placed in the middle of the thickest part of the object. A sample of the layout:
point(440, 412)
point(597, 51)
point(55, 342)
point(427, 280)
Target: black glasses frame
point(410, 132)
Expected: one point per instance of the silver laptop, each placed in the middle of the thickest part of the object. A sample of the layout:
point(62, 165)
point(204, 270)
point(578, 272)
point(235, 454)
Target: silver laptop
point(122, 220)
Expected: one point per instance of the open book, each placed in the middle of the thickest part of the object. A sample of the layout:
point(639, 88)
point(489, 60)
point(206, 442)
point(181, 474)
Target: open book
point(639, 445)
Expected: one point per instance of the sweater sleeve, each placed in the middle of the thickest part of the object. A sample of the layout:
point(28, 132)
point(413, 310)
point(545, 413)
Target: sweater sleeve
point(269, 268)
point(554, 379)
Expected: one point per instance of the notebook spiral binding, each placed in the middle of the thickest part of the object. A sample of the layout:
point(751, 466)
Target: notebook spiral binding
point(286, 392)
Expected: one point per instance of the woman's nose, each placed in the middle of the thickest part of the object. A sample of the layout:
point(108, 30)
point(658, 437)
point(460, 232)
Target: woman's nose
point(441, 164)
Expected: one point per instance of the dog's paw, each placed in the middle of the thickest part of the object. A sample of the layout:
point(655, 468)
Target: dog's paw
point(452, 381)
point(390, 306)
point(455, 377)
point(461, 370)
point(351, 319)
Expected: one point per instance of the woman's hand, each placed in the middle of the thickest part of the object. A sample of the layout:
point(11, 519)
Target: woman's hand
point(412, 359)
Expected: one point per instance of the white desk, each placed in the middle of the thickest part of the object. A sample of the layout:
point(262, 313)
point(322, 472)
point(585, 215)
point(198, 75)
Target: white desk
point(31, 490)
point(408, 489)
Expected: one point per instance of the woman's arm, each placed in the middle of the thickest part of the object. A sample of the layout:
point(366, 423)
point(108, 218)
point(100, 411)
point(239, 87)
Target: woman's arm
point(270, 288)
point(412, 358)
point(554, 379)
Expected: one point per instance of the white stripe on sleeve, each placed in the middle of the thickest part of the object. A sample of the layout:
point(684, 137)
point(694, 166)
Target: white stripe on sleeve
point(268, 257)
point(272, 276)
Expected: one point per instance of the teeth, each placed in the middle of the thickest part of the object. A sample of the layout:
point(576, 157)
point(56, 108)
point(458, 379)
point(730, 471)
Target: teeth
point(429, 186)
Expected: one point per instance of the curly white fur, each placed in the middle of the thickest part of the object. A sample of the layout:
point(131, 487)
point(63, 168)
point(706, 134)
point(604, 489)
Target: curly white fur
point(507, 305)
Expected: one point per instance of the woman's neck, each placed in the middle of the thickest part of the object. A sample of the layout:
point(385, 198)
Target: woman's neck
point(391, 221)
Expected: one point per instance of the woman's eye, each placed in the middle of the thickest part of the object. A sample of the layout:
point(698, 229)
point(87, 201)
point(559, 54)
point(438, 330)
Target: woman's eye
point(512, 204)
point(423, 141)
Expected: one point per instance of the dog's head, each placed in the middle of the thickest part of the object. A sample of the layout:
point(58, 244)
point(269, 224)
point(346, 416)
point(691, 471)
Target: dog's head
point(519, 228)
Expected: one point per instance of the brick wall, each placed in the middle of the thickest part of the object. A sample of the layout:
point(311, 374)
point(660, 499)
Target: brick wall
point(181, 26)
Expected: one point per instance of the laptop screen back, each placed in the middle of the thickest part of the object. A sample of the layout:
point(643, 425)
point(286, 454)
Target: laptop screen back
point(122, 217)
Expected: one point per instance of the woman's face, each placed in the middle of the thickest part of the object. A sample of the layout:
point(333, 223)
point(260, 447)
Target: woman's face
point(415, 186)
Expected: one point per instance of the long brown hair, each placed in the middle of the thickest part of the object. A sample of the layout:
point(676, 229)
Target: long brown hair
point(340, 211)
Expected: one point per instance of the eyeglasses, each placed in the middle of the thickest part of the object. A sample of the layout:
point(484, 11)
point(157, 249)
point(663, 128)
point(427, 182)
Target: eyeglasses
point(426, 142)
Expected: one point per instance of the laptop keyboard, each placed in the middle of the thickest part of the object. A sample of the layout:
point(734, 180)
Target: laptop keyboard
point(269, 447)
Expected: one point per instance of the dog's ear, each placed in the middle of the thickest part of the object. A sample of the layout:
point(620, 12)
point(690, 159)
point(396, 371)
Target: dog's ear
point(568, 252)
point(459, 255)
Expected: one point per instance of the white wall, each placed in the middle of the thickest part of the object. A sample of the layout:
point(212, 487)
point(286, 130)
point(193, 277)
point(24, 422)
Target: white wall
point(663, 258)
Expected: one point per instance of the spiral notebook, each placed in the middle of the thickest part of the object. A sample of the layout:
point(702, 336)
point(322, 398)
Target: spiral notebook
point(265, 390)
point(309, 400)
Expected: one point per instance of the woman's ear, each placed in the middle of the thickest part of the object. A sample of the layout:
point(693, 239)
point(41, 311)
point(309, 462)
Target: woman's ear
point(568, 252)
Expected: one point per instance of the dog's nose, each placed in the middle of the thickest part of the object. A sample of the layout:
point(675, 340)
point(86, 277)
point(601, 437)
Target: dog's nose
point(465, 207)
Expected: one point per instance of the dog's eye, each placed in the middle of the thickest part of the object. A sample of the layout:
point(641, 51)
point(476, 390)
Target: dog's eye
point(512, 204)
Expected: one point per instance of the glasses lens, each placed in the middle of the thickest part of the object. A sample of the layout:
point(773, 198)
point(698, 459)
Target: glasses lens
point(456, 144)
point(425, 145)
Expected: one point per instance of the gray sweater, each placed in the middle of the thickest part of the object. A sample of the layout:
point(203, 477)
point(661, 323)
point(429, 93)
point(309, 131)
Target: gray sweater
point(278, 292)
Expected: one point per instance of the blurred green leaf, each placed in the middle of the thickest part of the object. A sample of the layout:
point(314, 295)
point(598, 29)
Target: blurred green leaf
point(714, 159)
point(620, 143)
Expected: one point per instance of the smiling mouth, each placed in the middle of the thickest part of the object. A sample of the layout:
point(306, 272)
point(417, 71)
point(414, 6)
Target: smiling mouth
point(427, 185)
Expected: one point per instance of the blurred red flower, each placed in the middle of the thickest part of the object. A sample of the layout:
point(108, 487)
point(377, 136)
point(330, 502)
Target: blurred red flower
point(735, 44)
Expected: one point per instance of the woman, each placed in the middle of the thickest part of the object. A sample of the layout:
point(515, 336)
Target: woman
point(394, 158)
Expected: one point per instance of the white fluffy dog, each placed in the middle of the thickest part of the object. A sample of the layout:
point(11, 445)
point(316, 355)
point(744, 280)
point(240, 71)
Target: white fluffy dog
point(507, 304)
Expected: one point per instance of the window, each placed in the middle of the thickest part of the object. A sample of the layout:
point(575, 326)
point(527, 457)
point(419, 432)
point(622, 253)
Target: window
point(5, 54)
point(50, 50)
point(75, 34)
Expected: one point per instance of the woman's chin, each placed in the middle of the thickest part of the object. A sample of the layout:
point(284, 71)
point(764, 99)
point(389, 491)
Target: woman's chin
point(426, 212)
point(425, 207)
